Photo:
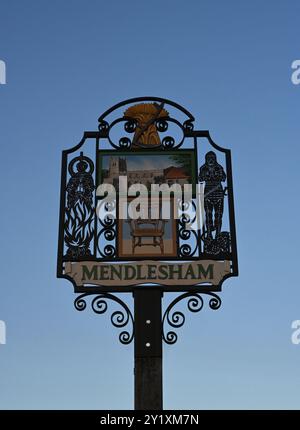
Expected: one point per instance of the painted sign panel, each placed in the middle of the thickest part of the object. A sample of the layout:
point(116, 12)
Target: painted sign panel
point(113, 230)
point(148, 272)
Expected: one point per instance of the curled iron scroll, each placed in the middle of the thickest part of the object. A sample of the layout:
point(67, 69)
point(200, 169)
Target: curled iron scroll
point(120, 318)
point(176, 319)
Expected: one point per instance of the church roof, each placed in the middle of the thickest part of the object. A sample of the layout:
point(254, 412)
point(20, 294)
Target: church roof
point(173, 172)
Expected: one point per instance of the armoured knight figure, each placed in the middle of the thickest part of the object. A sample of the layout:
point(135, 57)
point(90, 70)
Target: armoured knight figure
point(213, 174)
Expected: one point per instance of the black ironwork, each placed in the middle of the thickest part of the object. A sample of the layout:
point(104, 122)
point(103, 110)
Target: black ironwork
point(176, 319)
point(135, 125)
point(189, 238)
point(119, 319)
point(106, 236)
point(85, 236)
point(131, 126)
point(89, 230)
point(212, 173)
point(79, 213)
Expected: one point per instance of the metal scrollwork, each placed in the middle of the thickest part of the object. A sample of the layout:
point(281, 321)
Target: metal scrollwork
point(79, 213)
point(119, 318)
point(188, 125)
point(161, 125)
point(185, 230)
point(169, 142)
point(103, 126)
point(130, 125)
point(176, 319)
point(146, 121)
point(124, 142)
point(107, 232)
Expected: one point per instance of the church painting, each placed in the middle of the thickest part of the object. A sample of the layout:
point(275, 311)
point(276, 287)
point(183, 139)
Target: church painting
point(147, 168)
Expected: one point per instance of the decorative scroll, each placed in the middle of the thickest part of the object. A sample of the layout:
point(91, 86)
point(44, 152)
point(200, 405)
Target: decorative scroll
point(176, 319)
point(79, 213)
point(189, 237)
point(146, 121)
point(119, 319)
point(106, 237)
point(123, 317)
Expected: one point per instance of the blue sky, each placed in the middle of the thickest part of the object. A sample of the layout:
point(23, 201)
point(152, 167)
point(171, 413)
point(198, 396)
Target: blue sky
point(229, 63)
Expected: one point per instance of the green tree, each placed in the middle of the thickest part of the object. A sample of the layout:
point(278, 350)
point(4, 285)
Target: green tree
point(183, 161)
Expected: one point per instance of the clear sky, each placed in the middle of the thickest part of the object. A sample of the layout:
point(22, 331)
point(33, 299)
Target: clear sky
point(229, 63)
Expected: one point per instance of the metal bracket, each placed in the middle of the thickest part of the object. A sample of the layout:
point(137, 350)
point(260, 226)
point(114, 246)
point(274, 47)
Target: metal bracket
point(120, 318)
point(176, 319)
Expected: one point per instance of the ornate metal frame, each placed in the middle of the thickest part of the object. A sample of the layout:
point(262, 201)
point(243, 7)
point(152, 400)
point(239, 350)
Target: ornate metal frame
point(85, 237)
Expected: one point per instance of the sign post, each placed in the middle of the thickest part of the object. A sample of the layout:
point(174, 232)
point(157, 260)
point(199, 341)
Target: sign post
point(147, 208)
point(148, 392)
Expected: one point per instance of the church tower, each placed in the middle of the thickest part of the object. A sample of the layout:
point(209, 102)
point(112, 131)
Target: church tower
point(113, 167)
point(123, 166)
